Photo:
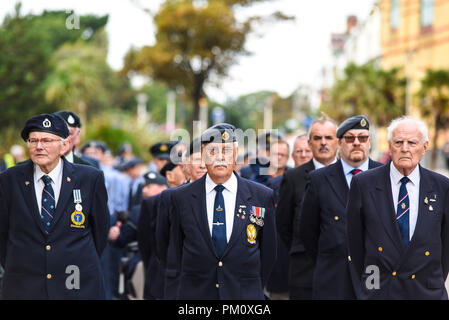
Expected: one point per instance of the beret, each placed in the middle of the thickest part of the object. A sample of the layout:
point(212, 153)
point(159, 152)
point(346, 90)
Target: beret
point(195, 146)
point(169, 166)
point(161, 150)
point(266, 139)
point(356, 122)
point(219, 133)
point(128, 164)
point(153, 177)
point(45, 123)
point(94, 144)
point(70, 117)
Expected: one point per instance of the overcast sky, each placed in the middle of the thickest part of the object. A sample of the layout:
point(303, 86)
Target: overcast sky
point(289, 54)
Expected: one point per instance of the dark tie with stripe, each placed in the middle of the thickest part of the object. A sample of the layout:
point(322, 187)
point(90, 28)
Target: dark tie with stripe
point(403, 211)
point(219, 222)
point(48, 203)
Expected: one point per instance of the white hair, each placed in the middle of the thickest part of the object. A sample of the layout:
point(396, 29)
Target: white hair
point(421, 127)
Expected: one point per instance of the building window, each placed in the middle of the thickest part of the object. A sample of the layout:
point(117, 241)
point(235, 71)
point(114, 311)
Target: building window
point(427, 7)
point(394, 14)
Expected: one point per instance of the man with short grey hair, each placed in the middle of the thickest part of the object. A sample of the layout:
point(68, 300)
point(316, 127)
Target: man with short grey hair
point(397, 222)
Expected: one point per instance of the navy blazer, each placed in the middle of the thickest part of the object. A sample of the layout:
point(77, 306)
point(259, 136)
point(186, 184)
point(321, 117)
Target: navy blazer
point(323, 231)
point(35, 263)
point(417, 271)
point(242, 271)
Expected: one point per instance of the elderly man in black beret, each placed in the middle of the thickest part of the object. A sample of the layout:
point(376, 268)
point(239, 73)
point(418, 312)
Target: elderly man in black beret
point(53, 220)
point(322, 215)
point(223, 227)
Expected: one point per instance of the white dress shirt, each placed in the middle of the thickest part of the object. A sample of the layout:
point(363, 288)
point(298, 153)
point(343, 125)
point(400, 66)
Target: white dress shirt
point(229, 195)
point(56, 181)
point(413, 193)
point(319, 165)
point(347, 170)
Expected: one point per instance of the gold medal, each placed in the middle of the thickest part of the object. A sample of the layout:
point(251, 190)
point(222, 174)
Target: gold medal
point(251, 232)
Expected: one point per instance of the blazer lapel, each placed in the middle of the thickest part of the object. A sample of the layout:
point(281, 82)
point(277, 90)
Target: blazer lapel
point(426, 189)
point(338, 183)
point(243, 197)
point(383, 200)
point(198, 203)
point(67, 185)
point(29, 193)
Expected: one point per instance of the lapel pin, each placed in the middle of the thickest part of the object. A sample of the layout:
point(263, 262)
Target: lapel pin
point(426, 200)
point(68, 179)
point(27, 183)
point(430, 208)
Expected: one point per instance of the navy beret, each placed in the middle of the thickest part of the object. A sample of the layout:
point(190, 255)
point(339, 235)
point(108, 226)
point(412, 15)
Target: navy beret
point(153, 177)
point(161, 150)
point(70, 117)
point(94, 144)
point(130, 164)
point(356, 122)
point(169, 166)
point(45, 123)
point(219, 133)
point(267, 138)
point(195, 146)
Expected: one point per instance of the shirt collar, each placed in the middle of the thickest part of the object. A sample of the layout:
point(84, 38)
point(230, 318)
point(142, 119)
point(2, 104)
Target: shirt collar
point(397, 176)
point(55, 174)
point(230, 184)
point(347, 168)
point(319, 165)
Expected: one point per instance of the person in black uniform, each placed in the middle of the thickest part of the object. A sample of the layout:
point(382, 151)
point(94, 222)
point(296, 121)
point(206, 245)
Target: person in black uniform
point(323, 218)
point(54, 220)
point(223, 227)
point(323, 142)
point(74, 123)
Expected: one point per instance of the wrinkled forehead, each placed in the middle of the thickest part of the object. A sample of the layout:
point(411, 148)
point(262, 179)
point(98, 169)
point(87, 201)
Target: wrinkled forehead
point(40, 134)
point(407, 130)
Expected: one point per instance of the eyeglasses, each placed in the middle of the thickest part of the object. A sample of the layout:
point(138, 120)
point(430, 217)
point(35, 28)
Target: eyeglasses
point(351, 139)
point(46, 142)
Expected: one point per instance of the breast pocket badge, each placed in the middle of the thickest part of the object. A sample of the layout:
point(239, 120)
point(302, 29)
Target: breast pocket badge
point(251, 233)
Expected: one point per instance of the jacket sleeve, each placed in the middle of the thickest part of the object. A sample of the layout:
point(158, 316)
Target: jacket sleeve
point(4, 220)
point(163, 226)
point(99, 216)
point(309, 218)
point(285, 210)
point(268, 246)
point(355, 227)
point(143, 231)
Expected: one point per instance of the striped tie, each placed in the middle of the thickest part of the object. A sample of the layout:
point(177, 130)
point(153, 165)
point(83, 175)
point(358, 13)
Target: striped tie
point(48, 203)
point(219, 222)
point(403, 211)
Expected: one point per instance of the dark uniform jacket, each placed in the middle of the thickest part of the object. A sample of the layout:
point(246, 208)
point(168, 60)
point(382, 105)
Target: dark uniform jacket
point(323, 231)
point(415, 271)
point(35, 263)
point(292, 189)
point(245, 266)
point(146, 238)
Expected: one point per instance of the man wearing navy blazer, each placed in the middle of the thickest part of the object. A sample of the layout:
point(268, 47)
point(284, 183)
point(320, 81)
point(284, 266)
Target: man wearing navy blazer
point(53, 220)
point(323, 142)
point(223, 227)
point(398, 222)
point(323, 211)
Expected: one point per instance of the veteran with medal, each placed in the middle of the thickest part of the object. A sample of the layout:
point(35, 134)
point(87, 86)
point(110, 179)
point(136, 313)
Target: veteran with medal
point(54, 220)
point(223, 227)
point(398, 221)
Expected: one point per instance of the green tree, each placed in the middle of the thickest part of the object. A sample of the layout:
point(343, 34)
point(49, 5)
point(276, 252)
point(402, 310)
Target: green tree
point(195, 43)
point(365, 89)
point(27, 44)
point(434, 96)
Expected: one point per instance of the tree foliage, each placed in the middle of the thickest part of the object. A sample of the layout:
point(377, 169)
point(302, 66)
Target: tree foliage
point(434, 97)
point(378, 94)
point(195, 44)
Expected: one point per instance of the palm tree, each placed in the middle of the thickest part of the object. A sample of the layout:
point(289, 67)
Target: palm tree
point(434, 97)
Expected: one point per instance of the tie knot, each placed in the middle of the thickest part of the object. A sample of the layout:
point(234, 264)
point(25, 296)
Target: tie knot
point(46, 179)
point(404, 180)
point(219, 188)
point(355, 171)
